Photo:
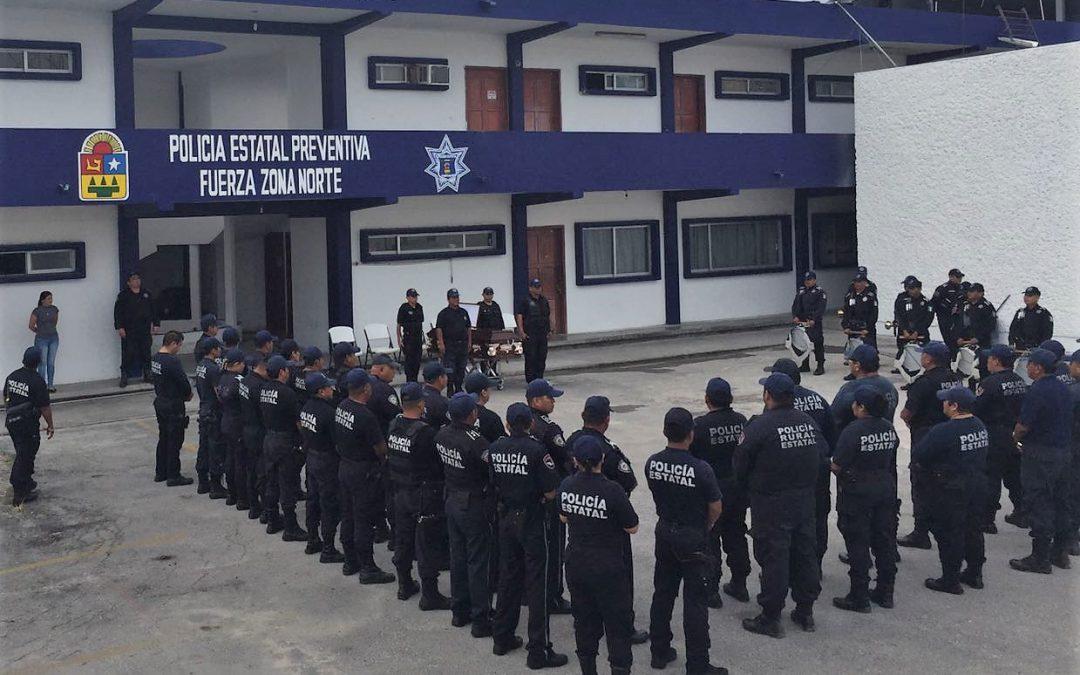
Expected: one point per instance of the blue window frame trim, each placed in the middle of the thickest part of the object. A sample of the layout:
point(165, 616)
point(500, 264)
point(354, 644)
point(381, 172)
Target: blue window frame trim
point(811, 88)
point(654, 252)
point(649, 73)
point(80, 261)
point(367, 257)
point(785, 245)
point(407, 60)
point(76, 59)
point(783, 78)
point(840, 217)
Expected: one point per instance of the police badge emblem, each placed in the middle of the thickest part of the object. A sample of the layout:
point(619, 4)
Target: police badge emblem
point(447, 165)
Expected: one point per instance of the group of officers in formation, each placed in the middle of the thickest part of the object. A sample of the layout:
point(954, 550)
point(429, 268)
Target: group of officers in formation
point(517, 511)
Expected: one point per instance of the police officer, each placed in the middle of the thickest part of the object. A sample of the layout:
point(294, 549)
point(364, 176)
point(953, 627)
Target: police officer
point(435, 379)
point(525, 479)
point(361, 446)
point(777, 462)
point(975, 323)
point(716, 434)
point(953, 456)
point(210, 460)
point(384, 403)
point(864, 462)
point(417, 477)
point(250, 469)
point(599, 519)
point(946, 299)
point(488, 422)
point(344, 360)
point(688, 505)
point(540, 396)
point(869, 284)
point(1074, 485)
point(280, 415)
point(865, 362)
point(232, 428)
point(463, 452)
point(533, 316)
point(809, 308)
point(171, 390)
point(999, 399)
point(410, 333)
point(26, 401)
point(1060, 369)
point(1032, 324)
point(208, 323)
point(311, 359)
point(913, 313)
point(616, 467)
point(861, 311)
point(489, 316)
point(230, 337)
point(264, 343)
point(453, 333)
point(921, 412)
point(1044, 431)
point(134, 317)
point(323, 508)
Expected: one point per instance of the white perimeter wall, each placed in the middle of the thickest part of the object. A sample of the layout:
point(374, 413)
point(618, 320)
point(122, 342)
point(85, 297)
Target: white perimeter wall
point(975, 163)
point(60, 103)
point(89, 348)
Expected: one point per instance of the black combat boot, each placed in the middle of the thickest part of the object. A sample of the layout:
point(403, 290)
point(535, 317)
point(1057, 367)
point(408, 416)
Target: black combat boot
point(293, 531)
point(803, 616)
point(805, 367)
point(431, 600)
point(255, 509)
point(587, 664)
point(1019, 519)
point(350, 567)
point(1060, 558)
point(916, 539)
point(764, 625)
point(820, 370)
point(330, 555)
point(204, 485)
point(1038, 561)
point(972, 577)
point(1074, 547)
point(661, 659)
point(549, 658)
point(179, 481)
point(736, 588)
point(638, 637)
point(714, 600)
point(882, 596)
point(314, 544)
point(853, 602)
point(274, 522)
point(217, 490)
point(370, 573)
point(944, 585)
point(406, 585)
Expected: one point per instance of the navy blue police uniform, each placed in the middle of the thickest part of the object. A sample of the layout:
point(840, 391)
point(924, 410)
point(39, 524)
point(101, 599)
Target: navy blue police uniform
point(489, 316)
point(249, 467)
point(435, 407)
point(322, 511)
point(411, 320)
point(25, 396)
point(1030, 327)
point(210, 459)
point(136, 315)
point(1000, 397)
point(912, 315)
point(171, 389)
point(945, 300)
point(861, 314)
point(550, 434)
point(535, 312)
point(280, 414)
point(232, 433)
point(975, 320)
point(809, 305)
point(1074, 472)
point(455, 324)
point(384, 403)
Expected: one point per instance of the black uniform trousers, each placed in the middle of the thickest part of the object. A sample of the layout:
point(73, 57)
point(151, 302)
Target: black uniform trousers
point(135, 351)
point(601, 586)
point(171, 422)
point(785, 547)
point(411, 349)
point(210, 460)
point(251, 470)
point(455, 360)
point(536, 350)
point(361, 501)
point(822, 507)
point(556, 533)
point(1074, 489)
point(944, 322)
point(728, 538)
point(947, 498)
point(866, 517)
point(470, 556)
point(816, 333)
point(920, 482)
point(27, 439)
point(681, 558)
point(322, 510)
point(1002, 467)
point(235, 464)
point(1044, 472)
point(523, 564)
point(281, 459)
point(411, 503)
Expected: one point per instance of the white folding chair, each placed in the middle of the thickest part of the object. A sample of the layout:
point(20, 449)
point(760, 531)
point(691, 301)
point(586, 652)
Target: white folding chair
point(341, 334)
point(509, 321)
point(379, 340)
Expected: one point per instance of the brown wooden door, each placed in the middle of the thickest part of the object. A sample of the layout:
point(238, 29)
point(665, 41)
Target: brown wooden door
point(547, 262)
point(485, 99)
point(689, 103)
point(278, 270)
point(542, 103)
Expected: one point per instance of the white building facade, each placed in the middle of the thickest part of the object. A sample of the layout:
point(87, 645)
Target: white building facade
point(297, 165)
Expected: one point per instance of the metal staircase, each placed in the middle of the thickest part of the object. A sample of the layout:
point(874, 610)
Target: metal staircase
point(1018, 29)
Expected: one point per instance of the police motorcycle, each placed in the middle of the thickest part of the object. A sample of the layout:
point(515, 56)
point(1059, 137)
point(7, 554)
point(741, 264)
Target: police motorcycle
point(910, 361)
point(798, 343)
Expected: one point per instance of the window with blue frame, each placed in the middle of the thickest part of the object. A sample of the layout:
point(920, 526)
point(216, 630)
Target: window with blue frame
point(40, 60)
point(415, 74)
point(42, 262)
point(617, 81)
point(610, 252)
point(744, 85)
point(836, 242)
point(831, 88)
point(715, 247)
point(431, 243)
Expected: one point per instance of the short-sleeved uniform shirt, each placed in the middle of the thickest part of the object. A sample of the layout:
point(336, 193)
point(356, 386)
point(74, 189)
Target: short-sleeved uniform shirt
point(535, 315)
point(249, 388)
point(384, 403)
point(551, 435)
point(279, 408)
point(616, 466)
point(435, 408)
point(1047, 413)
point(841, 406)
point(170, 381)
point(913, 314)
point(780, 452)
point(1031, 327)
point(228, 392)
point(716, 434)
point(809, 304)
point(956, 447)
point(25, 386)
point(356, 432)
point(411, 320)
point(317, 425)
point(463, 452)
point(922, 400)
point(598, 513)
point(682, 487)
point(47, 317)
point(454, 323)
point(411, 453)
point(207, 375)
point(522, 471)
point(866, 455)
point(489, 424)
point(1000, 397)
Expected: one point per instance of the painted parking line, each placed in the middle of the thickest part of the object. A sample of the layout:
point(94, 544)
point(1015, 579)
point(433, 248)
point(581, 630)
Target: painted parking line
point(99, 551)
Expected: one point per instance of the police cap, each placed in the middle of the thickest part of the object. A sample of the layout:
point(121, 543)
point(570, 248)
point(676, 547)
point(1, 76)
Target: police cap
point(587, 448)
point(598, 407)
point(1054, 347)
point(518, 413)
point(476, 382)
point(778, 384)
point(461, 405)
point(956, 273)
point(311, 355)
point(938, 351)
point(263, 337)
point(865, 355)
point(958, 394)
point(313, 382)
point(718, 391)
point(31, 357)
point(1032, 290)
point(1003, 353)
point(1042, 357)
point(787, 367)
point(356, 379)
point(208, 320)
point(234, 355)
point(541, 387)
point(412, 392)
point(275, 365)
point(433, 370)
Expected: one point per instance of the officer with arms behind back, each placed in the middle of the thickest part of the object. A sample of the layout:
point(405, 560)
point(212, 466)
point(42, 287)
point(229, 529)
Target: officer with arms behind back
point(865, 465)
point(525, 479)
point(232, 427)
point(540, 396)
point(280, 412)
point(809, 307)
point(171, 390)
point(435, 404)
point(384, 403)
point(26, 401)
point(488, 422)
point(1074, 486)
point(777, 462)
point(1000, 398)
point(134, 318)
point(410, 333)
point(533, 316)
point(317, 436)
point(599, 519)
point(716, 434)
point(210, 460)
point(453, 331)
point(253, 432)
point(1032, 324)
point(687, 507)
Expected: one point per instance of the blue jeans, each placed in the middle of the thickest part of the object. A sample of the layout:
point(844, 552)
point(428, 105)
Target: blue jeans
point(48, 347)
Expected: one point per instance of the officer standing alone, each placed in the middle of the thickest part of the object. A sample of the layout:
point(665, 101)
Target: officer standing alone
point(599, 519)
point(410, 333)
point(171, 390)
point(533, 316)
point(26, 401)
point(453, 332)
point(809, 308)
point(134, 318)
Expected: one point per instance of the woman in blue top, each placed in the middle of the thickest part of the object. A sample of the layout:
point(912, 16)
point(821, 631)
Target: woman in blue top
point(43, 321)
